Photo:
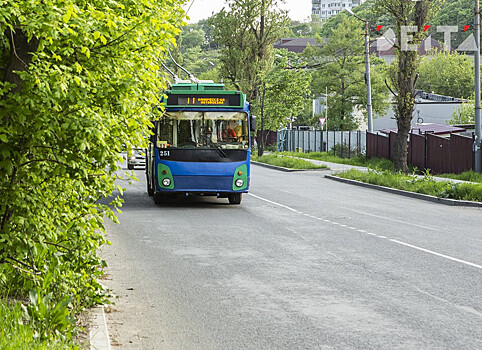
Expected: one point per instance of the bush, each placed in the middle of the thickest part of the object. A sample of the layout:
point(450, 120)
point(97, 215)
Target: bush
point(18, 333)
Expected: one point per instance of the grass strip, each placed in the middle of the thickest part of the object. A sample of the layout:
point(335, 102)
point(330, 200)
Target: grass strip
point(425, 185)
point(375, 163)
point(287, 162)
point(471, 176)
point(17, 333)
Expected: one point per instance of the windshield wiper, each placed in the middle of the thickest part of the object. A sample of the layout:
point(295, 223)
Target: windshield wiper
point(219, 149)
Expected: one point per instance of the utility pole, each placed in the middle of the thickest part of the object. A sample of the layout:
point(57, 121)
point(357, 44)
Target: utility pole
point(367, 69)
point(478, 133)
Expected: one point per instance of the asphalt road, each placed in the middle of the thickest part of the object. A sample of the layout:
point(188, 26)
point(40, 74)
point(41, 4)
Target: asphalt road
point(303, 263)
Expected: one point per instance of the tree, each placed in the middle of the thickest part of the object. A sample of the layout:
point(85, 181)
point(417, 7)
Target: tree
point(246, 34)
point(465, 114)
point(195, 54)
point(298, 29)
point(341, 71)
point(446, 73)
point(408, 18)
point(283, 94)
point(365, 11)
point(454, 13)
point(79, 81)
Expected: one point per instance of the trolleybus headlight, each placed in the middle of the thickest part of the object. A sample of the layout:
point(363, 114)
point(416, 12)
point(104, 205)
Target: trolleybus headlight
point(239, 183)
point(166, 182)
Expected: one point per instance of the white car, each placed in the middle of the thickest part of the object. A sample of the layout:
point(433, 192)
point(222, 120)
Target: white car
point(137, 158)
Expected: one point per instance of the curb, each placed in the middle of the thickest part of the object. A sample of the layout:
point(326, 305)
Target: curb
point(99, 335)
point(426, 197)
point(288, 170)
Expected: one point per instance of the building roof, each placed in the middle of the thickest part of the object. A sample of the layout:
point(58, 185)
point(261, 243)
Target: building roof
point(430, 128)
point(295, 44)
point(384, 47)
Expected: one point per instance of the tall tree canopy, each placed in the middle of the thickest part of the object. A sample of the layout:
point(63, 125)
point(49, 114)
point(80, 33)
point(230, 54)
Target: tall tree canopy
point(284, 91)
point(409, 19)
point(446, 73)
point(341, 72)
point(246, 33)
point(78, 80)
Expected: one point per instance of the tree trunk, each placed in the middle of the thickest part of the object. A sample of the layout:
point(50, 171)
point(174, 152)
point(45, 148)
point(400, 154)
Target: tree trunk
point(405, 105)
point(20, 56)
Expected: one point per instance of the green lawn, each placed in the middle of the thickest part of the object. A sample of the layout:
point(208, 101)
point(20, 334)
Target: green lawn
point(16, 332)
point(287, 162)
point(471, 176)
point(424, 185)
point(375, 163)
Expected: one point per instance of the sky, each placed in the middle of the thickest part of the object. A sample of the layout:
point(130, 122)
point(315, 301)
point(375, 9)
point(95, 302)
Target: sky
point(297, 9)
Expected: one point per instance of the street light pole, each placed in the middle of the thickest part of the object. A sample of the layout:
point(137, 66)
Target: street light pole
point(367, 70)
point(478, 133)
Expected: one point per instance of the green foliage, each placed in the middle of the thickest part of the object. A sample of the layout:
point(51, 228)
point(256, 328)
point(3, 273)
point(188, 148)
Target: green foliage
point(246, 33)
point(471, 176)
point(375, 163)
point(283, 92)
point(420, 184)
point(343, 150)
point(85, 88)
point(49, 316)
point(464, 114)
point(298, 29)
point(446, 73)
point(342, 72)
point(365, 11)
point(17, 333)
point(287, 162)
point(196, 52)
point(402, 80)
point(455, 13)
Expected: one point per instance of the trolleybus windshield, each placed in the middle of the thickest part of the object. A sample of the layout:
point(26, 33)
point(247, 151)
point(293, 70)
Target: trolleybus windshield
point(189, 129)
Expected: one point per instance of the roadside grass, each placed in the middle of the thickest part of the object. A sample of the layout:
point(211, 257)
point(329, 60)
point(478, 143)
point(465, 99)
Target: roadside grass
point(287, 162)
point(378, 163)
point(375, 163)
point(425, 185)
point(18, 333)
point(471, 176)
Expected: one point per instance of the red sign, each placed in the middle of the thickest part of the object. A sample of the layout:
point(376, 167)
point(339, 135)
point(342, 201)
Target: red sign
point(322, 121)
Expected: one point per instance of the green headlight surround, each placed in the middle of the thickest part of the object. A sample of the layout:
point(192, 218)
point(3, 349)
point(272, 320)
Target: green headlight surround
point(244, 176)
point(161, 176)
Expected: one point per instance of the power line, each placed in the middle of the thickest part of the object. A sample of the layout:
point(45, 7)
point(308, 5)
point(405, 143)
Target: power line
point(192, 2)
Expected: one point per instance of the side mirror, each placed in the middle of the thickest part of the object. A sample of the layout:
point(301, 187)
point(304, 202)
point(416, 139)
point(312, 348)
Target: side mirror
point(252, 123)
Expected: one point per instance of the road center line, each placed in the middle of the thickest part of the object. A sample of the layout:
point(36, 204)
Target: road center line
point(372, 234)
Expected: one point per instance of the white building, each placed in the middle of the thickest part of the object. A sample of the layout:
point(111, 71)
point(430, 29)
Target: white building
point(324, 9)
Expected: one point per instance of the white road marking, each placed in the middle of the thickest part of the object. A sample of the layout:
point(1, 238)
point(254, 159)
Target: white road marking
point(394, 220)
point(278, 204)
point(437, 254)
point(373, 234)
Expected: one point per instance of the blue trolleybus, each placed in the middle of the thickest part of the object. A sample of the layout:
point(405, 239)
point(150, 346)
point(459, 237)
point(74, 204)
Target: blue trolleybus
point(201, 144)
